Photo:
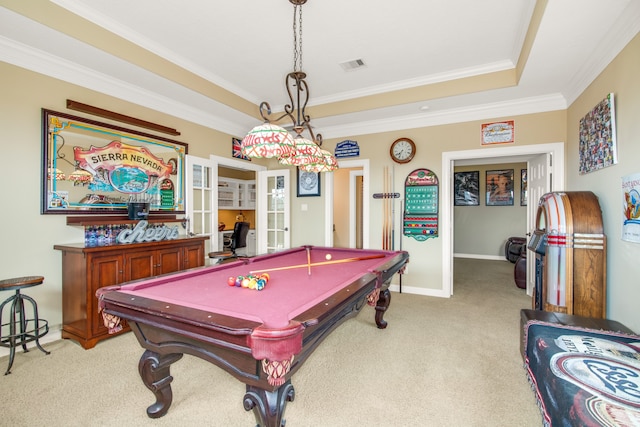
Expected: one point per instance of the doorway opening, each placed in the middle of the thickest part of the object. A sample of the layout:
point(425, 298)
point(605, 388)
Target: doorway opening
point(527, 153)
point(354, 224)
point(245, 170)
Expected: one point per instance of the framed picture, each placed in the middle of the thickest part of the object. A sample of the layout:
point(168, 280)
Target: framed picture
point(500, 187)
point(308, 183)
point(466, 187)
point(597, 146)
point(89, 167)
point(236, 149)
point(523, 187)
point(498, 133)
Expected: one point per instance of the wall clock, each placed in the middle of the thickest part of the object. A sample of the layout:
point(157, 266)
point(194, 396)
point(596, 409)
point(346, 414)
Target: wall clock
point(402, 150)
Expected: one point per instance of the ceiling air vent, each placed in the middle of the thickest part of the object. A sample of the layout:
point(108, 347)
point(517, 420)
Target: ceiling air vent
point(353, 65)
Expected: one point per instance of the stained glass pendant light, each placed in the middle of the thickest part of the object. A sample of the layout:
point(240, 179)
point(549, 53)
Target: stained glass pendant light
point(269, 140)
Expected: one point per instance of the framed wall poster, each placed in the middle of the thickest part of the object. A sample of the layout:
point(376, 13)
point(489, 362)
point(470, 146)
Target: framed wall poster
point(89, 167)
point(499, 187)
point(597, 131)
point(523, 187)
point(236, 149)
point(466, 188)
point(498, 133)
point(631, 208)
point(308, 183)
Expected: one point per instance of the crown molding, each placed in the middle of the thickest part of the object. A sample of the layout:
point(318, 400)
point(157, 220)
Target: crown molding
point(47, 64)
point(41, 62)
point(540, 104)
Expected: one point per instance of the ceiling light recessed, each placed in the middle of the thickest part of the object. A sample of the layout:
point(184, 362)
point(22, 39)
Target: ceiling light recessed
point(353, 65)
point(424, 108)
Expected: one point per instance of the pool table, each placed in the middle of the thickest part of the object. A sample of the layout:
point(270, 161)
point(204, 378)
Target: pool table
point(261, 337)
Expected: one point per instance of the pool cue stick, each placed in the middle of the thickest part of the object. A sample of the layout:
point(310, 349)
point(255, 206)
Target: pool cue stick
point(384, 206)
point(390, 211)
point(337, 261)
point(387, 206)
point(393, 209)
point(309, 261)
point(401, 234)
point(389, 221)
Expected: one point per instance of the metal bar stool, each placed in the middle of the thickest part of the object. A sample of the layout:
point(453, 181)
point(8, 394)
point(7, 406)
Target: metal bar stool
point(21, 330)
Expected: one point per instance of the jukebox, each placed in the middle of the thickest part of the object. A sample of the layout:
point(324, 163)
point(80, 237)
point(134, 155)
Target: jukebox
point(570, 255)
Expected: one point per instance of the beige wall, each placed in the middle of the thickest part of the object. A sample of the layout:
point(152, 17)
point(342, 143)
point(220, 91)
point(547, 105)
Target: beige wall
point(623, 269)
point(425, 269)
point(29, 237)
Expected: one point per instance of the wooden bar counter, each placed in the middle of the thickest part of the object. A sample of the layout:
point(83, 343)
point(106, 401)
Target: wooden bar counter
point(86, 269)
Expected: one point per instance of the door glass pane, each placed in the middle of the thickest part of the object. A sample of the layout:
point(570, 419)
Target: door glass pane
point(197, 223)
point(207, 223)
point(207, 175)
point(279, 220)
point(197, 199)
point(197, 176)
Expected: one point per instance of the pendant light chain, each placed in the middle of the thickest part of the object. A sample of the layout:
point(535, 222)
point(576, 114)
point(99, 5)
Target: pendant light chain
point(297, 38)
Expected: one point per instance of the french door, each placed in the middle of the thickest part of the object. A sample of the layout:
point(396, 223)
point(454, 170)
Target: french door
point(199, 206)
point(538, 184)
point(273, 215)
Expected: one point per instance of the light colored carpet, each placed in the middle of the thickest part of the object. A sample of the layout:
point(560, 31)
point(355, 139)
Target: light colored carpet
point(440, 362)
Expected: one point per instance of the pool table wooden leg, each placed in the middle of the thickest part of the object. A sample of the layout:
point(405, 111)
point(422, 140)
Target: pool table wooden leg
point(155, 372)
point(268, 406)
point(381, 306)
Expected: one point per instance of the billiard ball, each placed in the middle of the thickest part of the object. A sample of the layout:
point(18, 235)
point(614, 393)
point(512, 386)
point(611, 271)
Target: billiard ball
point(328, 257)
point(231, 281)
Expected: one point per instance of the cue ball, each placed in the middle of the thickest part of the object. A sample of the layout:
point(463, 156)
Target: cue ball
point(328, 257)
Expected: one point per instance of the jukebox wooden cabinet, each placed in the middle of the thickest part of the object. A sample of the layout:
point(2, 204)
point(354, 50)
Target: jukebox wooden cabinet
point(86, 269)
point(571, 263)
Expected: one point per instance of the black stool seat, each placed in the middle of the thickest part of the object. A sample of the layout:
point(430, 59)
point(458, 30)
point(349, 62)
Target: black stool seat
point(20, 330)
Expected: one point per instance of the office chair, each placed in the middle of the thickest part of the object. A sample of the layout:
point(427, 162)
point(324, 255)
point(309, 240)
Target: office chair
point(238, 241)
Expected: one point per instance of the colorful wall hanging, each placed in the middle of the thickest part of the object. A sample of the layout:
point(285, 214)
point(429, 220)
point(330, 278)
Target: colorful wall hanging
point(421, 205)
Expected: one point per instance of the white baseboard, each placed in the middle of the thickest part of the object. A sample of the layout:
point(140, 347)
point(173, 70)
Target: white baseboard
point(476, 256)
point(419, 291)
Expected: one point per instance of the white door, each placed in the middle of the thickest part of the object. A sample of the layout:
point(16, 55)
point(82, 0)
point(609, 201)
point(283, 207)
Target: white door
point(199, 206)
point(538, 183)
point(273, 219)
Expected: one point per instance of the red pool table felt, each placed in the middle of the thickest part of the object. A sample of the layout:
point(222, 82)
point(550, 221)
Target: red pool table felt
point(287, 294)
